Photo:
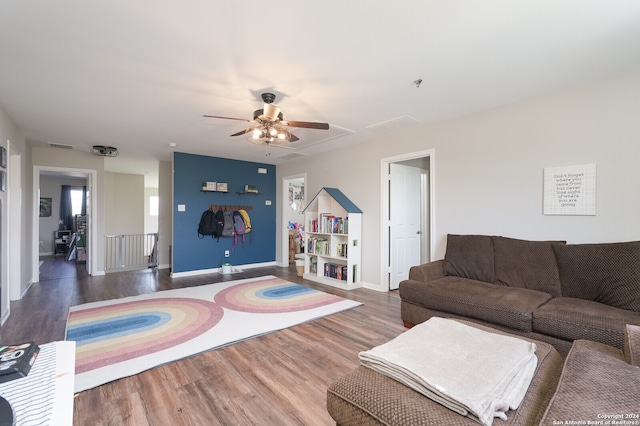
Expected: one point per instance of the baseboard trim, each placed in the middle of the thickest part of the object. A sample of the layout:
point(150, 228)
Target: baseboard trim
point(216, 270)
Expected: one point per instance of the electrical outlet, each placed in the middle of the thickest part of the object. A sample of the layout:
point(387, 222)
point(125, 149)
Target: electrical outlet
point(226, 253)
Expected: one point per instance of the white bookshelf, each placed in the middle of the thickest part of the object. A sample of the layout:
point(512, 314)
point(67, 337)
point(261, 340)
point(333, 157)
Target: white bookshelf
point(333, 231)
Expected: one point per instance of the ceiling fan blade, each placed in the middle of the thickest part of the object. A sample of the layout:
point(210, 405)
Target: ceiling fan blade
point(245, 131)
point(227, 118)
point(292, 137)
point(306, 124)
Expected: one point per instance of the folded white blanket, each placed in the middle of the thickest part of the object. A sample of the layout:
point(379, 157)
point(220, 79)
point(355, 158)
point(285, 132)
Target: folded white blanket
point(478, 374)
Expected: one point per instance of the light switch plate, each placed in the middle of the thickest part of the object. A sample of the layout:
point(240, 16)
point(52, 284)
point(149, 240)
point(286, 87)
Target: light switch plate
point(182, 208)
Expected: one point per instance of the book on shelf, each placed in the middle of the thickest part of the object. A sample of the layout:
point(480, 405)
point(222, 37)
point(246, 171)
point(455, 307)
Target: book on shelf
point(324, 224)
point(336, 271)
point(318, 245)
point(16, 360)
point(252, 189)
point(342, 250)
point(329, 224)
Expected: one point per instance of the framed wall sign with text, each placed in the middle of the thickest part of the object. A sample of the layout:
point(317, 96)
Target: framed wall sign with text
point(570, 190)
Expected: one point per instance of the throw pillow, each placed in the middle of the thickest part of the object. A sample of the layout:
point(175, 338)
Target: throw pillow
point(527, 264)
point(607, 273)
point(469, 256)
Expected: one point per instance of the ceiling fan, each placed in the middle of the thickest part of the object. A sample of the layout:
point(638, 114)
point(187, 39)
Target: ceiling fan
point(270, 127)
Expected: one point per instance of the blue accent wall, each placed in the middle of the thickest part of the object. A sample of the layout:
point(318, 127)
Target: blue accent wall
point(191, 253)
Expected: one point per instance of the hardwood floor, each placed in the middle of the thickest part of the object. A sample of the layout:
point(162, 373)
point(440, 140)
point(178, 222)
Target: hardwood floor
point(277, 379)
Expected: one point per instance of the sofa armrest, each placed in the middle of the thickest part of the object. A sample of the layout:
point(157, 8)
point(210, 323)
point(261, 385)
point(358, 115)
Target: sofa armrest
point(427, 271)
point(632, 344)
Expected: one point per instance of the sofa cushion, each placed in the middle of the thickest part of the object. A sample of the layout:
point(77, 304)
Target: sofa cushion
point(606, 273)
point(595, 381)
point(571, 319)
point(427, 271)
point(508, 306)
point(527, 264)
point(470, 256)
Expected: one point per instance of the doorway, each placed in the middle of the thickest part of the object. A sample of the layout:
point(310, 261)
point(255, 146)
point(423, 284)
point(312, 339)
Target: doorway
point(89, 178)
point(407, 219)
point(293, 204)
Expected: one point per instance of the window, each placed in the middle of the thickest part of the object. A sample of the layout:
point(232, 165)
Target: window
point(154, 205)
point(76, 201)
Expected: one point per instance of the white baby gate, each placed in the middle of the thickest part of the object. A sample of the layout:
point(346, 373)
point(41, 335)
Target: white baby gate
point(136, 251)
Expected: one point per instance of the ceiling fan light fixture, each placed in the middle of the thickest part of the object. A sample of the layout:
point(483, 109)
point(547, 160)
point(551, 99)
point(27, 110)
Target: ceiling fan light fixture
point(271, 112)
point(277, 141)
point(270, 126)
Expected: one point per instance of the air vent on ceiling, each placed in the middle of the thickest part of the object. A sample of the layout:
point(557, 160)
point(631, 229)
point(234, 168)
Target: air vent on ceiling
point(60, 145)
point(309, 137)
point(394, 125)
point(292, 156)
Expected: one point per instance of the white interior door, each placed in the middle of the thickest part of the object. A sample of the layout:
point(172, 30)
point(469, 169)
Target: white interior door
point(404, 217)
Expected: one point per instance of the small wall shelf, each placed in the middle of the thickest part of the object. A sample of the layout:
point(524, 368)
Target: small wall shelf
point(211, 190)
point(215, 187)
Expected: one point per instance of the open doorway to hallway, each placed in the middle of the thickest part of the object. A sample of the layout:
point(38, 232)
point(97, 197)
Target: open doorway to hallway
point(293, 204)
point(59, 255)
point(71, 239)
point(407, 219)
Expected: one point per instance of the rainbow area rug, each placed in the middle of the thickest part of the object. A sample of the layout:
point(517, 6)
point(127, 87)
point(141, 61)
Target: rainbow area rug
point(123, 337)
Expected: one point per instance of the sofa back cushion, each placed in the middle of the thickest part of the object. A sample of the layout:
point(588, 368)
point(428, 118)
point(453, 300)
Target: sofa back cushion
point(527, 264)
point(469, 256)
point(607, 273)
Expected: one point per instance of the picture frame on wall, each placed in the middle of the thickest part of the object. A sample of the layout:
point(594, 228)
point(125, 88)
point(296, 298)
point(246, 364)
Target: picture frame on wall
point(45, 207)
point(570, 190)
point(3, 181)
point(3, 157)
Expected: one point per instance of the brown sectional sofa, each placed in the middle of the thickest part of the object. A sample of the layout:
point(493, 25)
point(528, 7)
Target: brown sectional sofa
point(580, 302)
point(549, 291)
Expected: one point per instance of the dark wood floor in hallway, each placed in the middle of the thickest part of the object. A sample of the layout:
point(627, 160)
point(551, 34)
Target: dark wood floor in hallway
point(277, 379)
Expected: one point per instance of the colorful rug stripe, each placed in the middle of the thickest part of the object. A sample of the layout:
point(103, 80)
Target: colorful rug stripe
point(111, 334)
point(273, 296)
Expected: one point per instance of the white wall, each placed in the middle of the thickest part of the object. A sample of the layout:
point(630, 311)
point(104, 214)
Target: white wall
point(487, 169)
point(165, 220)
point(11, 138)
point(124, 204)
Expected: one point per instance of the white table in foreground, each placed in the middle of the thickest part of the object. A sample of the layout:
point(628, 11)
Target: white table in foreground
point(45, 396)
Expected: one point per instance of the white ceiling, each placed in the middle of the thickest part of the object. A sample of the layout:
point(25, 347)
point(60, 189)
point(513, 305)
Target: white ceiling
point(139, 75)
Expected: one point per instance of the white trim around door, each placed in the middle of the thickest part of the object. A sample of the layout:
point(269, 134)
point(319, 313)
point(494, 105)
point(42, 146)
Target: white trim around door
point(385, 209)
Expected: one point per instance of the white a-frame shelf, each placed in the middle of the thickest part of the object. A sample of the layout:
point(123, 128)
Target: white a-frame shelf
point(333, 228)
